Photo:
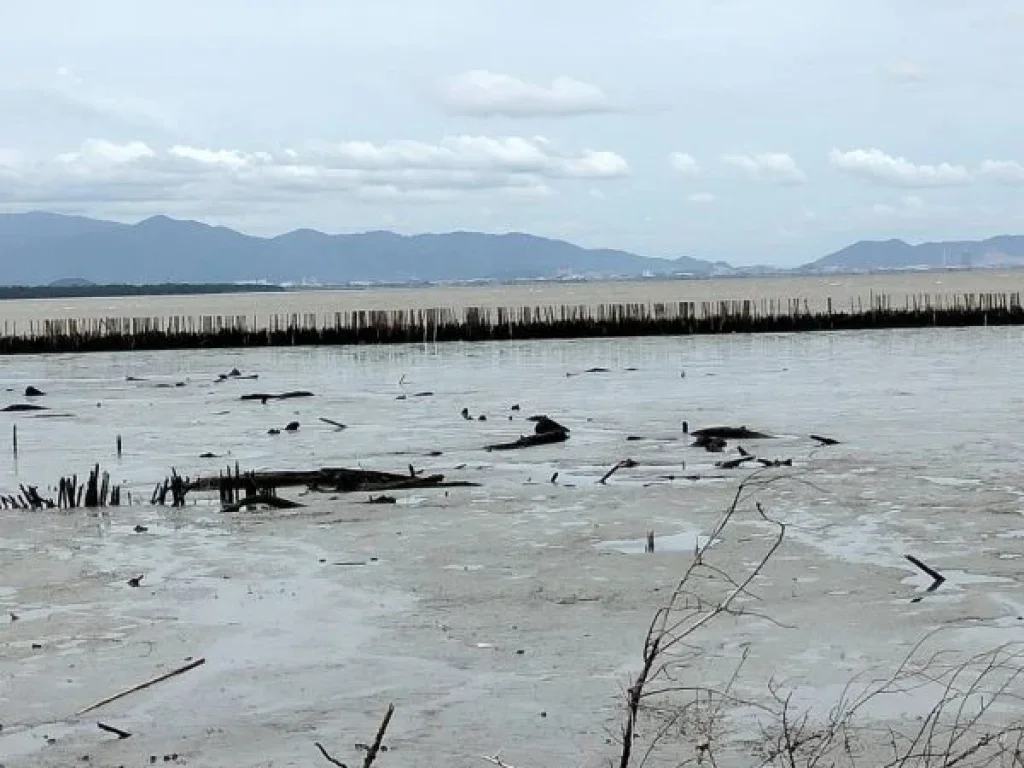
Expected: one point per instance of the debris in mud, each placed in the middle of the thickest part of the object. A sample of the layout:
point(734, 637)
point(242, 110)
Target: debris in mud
point(142, 686)
point(335, 424)
point(140, 529)
point(136, 581)
point(328, 479)
point(937, 578)
point(208, 455)
point(774, 463)
point(624, 464)
point(292, 426)
point(273, 431)
point(731, 433)
point(371, 750)
point(33, 392)
point(546, 432)
point(710, 444)
point(23, 407)
point(515, 407)
point(545, 424)
point(116, 731)
point(824, 440)
point(265, 397)
point(382, 499)
point(734, 463)
point(235, 374)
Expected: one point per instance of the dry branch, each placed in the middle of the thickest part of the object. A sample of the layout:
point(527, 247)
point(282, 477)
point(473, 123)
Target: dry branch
point(141, 686)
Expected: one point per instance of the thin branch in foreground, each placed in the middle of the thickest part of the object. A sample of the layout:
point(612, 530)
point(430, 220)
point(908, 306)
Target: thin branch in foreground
point(371, 752)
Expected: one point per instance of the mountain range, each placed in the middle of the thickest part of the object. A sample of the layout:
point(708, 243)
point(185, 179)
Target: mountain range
point(42, 248)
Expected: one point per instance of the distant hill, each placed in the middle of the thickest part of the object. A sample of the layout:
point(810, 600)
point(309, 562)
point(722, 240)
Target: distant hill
point(1001, 251)
point(40, 248)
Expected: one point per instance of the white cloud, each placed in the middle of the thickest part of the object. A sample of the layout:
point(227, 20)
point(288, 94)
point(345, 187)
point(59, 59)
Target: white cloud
point(1002, 171)
point(99, 170)
point(775, 167)
point(684, 163)
point(480, 93)
point(876, 166)
point(701, 198)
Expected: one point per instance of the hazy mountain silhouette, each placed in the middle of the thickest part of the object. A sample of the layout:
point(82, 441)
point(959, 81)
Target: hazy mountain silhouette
point(1004, 250)
point(39, 248)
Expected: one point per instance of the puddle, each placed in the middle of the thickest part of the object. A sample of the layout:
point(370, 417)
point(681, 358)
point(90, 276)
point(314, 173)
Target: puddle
point(686, 541)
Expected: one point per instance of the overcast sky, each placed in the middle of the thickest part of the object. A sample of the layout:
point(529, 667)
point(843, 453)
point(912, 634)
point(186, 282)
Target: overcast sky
point(744, 130)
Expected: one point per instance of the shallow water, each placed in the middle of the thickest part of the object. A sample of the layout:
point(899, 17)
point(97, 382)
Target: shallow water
point(845, 291)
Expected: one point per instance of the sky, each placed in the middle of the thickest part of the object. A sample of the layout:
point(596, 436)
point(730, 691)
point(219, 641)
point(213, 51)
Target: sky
point(742, 130)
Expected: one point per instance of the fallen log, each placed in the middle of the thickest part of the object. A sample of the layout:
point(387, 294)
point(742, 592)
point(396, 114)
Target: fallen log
point(734, 463)
point(825, 440)
point(335, 424)
point(333, 479)
point(731, 433)
point(264, 397)
point(23, 407)
point(529, 441)
point(545, 424)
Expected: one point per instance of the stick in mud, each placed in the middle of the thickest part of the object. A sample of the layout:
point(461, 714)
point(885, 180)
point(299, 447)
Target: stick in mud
point(141, 686)
point(937, 578)
point(371, 751)
point(624, 464)
point(116, 731)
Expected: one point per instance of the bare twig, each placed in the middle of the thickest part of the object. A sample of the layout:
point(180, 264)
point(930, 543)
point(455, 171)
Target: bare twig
point(371, 751)
point(141, 686)
point(116, 731)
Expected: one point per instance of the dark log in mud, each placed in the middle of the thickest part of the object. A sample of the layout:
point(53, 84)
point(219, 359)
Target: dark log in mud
point(775, 462)
point(33, 392)
point(529, 441)
point(734, 463)
point(329, 479)
point(23, 407)
point(710, 444)
point(546, 424)
point(264, 397)
point(731, 433)
point(335, 424)
point(824, 440)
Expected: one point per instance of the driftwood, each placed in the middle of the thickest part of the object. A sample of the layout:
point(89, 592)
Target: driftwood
point(528, 441)
point(116, 731)
point(734, 463)
point(624, 464)
point(141, 686)
point(545, 424)
point(264, 397)
point(731, 433)
point(23, 407)
point(710, 444)
point(937, 578)
point(262, 499)
point(336, 424)
point(825, 440)
point(775, 462)
point(331, 479)
point(33, 392)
